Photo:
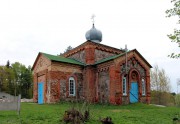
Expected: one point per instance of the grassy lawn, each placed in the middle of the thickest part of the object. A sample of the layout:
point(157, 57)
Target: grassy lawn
point(32, 113)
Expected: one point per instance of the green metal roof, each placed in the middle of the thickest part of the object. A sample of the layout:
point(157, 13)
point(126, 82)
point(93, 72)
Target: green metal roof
point(73, 61)
point(116, 56)
point(109, 58)
point(62, 59)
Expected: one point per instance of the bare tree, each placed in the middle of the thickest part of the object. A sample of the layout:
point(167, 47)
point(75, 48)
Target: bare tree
point(159, 80)
point(160, 86)
point(178, 84)
point(155, 79)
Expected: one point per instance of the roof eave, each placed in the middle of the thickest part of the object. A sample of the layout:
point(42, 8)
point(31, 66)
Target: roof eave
point(143, 58)
point(36, 60)
point(116, 56)
point(68, 62)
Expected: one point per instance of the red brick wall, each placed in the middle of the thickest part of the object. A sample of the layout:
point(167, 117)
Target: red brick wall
point(89, 54)
point(39, 77)
point(148, 90)
point(114, 84)
point(89, 83)
point(35, 94)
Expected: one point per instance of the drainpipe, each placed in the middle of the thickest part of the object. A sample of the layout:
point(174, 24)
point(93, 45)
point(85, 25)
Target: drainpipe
point(126, 59)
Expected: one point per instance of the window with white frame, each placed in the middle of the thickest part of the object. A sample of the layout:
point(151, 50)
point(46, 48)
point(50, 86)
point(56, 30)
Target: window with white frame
point(143, 87)
point(72, 86)
point(124, 86)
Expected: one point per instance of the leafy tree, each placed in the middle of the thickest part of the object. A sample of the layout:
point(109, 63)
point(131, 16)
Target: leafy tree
point(67, 49)
point(160, 86)
point(23, 79)
point(6, 79)
point(175, 36)
point(26, 83)
point(18, 70)
point(9, 80)
point(3, 78)
point(8, 64)
point(16, 79)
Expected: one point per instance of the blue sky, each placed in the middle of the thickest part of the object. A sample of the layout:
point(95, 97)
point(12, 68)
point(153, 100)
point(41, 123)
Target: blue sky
point(29, 27)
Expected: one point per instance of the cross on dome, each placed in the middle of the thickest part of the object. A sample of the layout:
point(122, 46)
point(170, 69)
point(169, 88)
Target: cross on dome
point(92, 17)
point(93, 34)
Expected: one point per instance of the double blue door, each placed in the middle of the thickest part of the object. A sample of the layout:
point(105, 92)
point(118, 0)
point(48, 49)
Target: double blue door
point(40, 93)
point(134, 92)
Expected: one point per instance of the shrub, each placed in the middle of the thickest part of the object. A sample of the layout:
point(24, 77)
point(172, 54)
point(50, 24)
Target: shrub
point(107, 120)
point(162, 98)
point(177, 100)
point(75, 117)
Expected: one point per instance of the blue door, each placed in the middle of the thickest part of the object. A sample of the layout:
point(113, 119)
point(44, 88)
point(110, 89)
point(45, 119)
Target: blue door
point(40, 93)
point(134, 92)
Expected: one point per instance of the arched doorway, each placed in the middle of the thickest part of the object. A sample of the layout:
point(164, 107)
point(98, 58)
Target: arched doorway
point(134, 88)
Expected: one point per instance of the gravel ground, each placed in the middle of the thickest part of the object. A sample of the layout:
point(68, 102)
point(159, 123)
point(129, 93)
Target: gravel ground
point(26, 100)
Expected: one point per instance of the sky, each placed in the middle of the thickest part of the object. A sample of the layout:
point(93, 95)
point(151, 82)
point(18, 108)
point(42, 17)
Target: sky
point(28, 27)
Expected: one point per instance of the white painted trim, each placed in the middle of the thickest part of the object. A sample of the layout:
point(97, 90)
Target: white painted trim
point(143, 87)
point(74, 86)
point(124, 93)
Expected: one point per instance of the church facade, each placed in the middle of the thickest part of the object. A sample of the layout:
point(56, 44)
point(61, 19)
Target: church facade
point(93, 72)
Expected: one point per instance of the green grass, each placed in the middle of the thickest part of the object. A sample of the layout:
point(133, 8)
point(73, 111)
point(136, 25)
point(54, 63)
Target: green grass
point(32, 113)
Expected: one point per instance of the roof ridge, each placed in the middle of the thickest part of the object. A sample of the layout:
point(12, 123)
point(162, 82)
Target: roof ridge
point(116, 56)
point(91, 42)
point(62, 59)
point(111, 57)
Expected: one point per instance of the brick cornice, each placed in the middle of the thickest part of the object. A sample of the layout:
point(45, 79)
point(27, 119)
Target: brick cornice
point(137, 56)
point(92, 45)
point(108, 49)
point(104, 66)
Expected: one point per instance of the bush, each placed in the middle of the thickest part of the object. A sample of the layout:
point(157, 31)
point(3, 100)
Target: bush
point(162, 98)
point(177, 100)
point(107, 120)
point(75, 117)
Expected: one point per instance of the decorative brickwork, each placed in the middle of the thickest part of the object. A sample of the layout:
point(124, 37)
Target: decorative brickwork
point(133, 63)
point(99, 54)
point(80, 56)
point(97, 46)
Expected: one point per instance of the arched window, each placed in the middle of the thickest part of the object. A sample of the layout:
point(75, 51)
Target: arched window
point(143, 87)
point(124, 86)
point(72, 90)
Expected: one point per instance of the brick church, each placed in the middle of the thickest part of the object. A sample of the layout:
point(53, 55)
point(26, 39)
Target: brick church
point(94, 72)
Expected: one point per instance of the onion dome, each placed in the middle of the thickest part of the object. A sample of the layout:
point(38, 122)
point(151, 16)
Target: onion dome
point(94, 35)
